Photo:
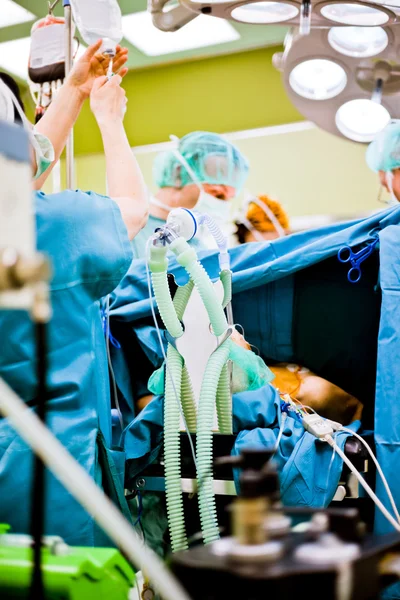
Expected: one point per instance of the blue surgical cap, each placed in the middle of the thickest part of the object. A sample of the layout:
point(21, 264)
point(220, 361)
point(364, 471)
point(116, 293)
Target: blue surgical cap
point(211, 158)
point(383, 154)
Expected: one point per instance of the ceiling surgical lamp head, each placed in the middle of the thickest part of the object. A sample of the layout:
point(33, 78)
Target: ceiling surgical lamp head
point(293, 12)
point(361, 119)
point(345, 79)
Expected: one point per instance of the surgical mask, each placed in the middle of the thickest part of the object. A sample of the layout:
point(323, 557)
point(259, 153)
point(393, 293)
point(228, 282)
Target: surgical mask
point(43, 148)
point(219, 210)
point(389, 180)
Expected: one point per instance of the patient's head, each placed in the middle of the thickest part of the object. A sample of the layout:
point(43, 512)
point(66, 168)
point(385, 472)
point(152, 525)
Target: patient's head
point(265, 219)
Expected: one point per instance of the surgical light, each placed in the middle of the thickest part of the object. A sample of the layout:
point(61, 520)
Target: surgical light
point(358, 42)
point(318, 79)
point(361, 120)
point(204, 31)
point(305, 18)
point(354, 14)
point(265, 12)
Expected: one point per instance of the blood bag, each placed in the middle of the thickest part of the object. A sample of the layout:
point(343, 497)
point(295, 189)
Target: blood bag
point(46, 68)
point(47, 56)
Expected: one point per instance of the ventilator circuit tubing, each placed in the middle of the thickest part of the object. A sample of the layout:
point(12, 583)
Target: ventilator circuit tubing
point(173, 486)
point(83, 488)
point(224, 400)
point(170, 316)
point(158, 266)
point(186, 257)
point(181, 299)
point(226, 280)
point(173, 391)
point(204, 449)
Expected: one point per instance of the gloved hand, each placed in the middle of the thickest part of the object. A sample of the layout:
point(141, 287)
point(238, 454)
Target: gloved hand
point(92, 66)
point(108, 100)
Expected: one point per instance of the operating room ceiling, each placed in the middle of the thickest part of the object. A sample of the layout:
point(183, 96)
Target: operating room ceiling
point(148, 46)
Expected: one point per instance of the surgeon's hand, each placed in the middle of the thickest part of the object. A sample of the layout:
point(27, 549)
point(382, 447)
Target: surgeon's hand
point(108, 100)
point(93, 65)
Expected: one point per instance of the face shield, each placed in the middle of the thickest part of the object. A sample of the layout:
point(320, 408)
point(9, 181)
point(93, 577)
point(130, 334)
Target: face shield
point(202, 158)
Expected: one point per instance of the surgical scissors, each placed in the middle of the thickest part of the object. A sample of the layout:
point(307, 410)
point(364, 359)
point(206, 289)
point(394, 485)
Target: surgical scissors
point(346, 254)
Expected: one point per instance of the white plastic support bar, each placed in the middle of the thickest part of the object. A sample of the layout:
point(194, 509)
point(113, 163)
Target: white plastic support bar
point(83, 488)
point(171, 20)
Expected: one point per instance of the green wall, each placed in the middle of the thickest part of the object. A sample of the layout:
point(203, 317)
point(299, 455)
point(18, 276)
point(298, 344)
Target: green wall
point(225, 93)
point(310, 171)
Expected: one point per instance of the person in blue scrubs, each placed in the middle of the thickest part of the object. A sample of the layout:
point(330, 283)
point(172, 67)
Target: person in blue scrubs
point(383, 157)
point(87, 239)
point(204, 173)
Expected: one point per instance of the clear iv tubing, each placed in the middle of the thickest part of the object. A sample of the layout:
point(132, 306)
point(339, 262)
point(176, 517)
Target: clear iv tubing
point(110, 69)
point(83, 488)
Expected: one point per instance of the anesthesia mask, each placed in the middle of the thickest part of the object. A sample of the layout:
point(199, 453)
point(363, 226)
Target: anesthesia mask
point(43, 148)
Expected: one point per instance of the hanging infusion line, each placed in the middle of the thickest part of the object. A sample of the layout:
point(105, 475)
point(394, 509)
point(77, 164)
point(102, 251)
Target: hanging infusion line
point(68, 67)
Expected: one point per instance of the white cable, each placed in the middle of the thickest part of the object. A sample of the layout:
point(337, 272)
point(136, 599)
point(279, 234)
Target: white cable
point(83, 488)
point(364, 484)
point(112, 375)
point(378, 467)
point(329, 469)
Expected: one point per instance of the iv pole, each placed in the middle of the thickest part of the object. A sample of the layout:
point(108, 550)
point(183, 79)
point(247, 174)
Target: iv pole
point(68, 66)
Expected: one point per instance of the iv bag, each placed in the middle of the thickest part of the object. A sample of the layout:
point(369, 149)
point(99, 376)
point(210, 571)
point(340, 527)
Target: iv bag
point(47, 55)
point(99, 19)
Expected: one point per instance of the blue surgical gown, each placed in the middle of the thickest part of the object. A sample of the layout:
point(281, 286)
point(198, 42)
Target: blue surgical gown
point(85, 238)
